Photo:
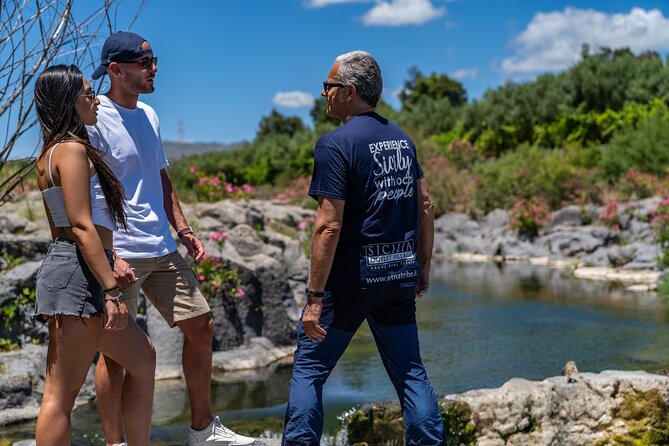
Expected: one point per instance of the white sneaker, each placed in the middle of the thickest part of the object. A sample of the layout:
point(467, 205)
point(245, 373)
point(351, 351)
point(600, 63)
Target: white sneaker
point(120, 444)
point(217, 435)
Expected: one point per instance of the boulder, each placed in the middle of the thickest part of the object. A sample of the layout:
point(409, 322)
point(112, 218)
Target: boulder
point(26, 246)
point(567, 216)
point(496, 219)
point(572, 241)
point(456, 223)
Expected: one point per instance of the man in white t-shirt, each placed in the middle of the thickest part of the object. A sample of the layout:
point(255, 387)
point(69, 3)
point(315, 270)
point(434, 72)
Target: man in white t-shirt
point(128, 134)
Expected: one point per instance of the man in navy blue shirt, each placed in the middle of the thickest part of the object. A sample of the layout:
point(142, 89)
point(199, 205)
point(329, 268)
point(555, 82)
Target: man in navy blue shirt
point(370, 256)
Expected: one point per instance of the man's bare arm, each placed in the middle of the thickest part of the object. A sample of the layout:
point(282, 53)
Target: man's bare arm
point(177, 219)
point(323, 246)
point(425, 235)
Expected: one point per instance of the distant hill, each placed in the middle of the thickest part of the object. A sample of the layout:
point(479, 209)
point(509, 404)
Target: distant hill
point(177, 150)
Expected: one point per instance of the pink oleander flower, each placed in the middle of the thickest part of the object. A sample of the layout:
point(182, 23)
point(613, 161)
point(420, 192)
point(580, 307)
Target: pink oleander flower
point(240, 293)
point(215, 181)
point(202, 181)
point(192, 169)
point(247, 188)
point(302, 225)
point(229, 188)
point(218, 235)
point(201, 278)
point(281, 196)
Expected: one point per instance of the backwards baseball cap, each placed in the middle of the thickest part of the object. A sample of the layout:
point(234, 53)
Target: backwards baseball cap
point(122, 46)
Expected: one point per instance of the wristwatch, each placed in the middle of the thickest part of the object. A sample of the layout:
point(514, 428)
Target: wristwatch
point(313, 293)
point(184, 231)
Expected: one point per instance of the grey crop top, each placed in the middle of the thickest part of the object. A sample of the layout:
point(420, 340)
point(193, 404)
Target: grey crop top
point(53, 196)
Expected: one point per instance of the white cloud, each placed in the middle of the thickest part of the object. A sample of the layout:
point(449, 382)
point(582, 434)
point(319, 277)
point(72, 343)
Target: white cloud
point(552, 40)
point(465, 73)
point(402, 12)
point(321, 3)
point(293, 99)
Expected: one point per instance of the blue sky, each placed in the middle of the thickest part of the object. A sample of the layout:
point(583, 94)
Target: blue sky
point(224, 64)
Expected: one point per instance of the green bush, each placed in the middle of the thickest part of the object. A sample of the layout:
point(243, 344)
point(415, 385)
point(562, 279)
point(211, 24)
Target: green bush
point(531, 172)
point(452, 190)
point(644, 148)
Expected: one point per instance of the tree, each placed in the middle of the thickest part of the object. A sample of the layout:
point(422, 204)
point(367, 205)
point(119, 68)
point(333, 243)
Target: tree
point(277, 124)
point(434, 86)
point(33, 36)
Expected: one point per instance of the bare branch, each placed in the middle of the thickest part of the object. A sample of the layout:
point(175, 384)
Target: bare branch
point(33, 35)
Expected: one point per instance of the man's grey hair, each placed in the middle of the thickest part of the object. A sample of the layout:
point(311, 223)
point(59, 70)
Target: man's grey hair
point(360, 69)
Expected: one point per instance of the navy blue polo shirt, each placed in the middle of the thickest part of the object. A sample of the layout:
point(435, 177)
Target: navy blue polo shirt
point(370, 163)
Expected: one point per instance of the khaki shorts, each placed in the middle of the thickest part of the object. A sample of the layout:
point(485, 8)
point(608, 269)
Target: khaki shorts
point(170, 285)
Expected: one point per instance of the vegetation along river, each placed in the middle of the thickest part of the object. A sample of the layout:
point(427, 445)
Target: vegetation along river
point(480, 325)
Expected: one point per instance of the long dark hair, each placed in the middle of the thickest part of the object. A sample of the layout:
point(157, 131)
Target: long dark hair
point(56, 90)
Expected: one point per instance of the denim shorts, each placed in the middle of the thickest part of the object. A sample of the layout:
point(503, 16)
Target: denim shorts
point(65, 284)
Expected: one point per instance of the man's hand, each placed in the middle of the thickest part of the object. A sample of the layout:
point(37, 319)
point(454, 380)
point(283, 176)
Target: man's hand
point(423, 281)
point(123, 273)
point(116, 315)
point(311, 319)
point(193, 245)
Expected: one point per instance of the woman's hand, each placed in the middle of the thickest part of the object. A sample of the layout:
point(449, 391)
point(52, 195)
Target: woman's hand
point(116, 314)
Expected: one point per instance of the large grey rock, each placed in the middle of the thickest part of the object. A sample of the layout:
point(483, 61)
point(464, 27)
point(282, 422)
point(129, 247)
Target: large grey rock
point(245, 240)
point(599, 257)
point(647, 206)
point(571, 241)
point(229, 213)
point(27, 246)
point(456, 223)
point(286, 214)
point(260, 352)
point(496, 219)
point(15, 224)
point(567, 216)
point(645, 256)
point(291, 252)
point(581, 413)
point(14, 280)
point(262, 311)
point(479, 245)
point(516, 249)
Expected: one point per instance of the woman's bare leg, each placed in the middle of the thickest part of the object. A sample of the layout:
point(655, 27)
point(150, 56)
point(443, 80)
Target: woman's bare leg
point(72, 345)
point(133, 350)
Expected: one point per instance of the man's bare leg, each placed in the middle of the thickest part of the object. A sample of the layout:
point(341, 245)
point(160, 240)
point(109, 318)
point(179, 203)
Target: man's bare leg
point(198, 333)
point(108, 387)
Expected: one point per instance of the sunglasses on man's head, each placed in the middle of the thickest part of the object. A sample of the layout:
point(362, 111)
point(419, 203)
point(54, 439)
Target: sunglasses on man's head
point(145, 63)
point(328, 85)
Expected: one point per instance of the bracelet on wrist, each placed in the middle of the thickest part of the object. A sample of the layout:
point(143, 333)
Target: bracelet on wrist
point(183, 231)
point(109, 290)
point(313, 293)
point(115, 300)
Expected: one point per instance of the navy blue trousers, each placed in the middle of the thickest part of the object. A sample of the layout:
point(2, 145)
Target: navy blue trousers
point(391, 315)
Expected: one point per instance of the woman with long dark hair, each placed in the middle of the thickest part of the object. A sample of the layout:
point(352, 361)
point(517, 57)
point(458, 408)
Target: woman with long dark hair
point(77, 294)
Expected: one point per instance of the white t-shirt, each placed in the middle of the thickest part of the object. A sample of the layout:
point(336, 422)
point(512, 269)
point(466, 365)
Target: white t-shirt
point(132, 148)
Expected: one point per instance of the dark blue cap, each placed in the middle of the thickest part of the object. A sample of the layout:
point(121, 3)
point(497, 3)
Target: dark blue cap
point(122, 46)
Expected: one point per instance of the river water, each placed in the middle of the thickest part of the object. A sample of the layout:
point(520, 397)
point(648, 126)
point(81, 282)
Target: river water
point(480, 325)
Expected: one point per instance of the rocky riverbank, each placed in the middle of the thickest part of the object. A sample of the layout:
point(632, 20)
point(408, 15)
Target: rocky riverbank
point(575, 237)
point(266, 244)
point(609, 408)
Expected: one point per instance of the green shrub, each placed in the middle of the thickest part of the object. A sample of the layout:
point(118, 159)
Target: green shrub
point(452, 190)
point(531, 172)
point(644, 148)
